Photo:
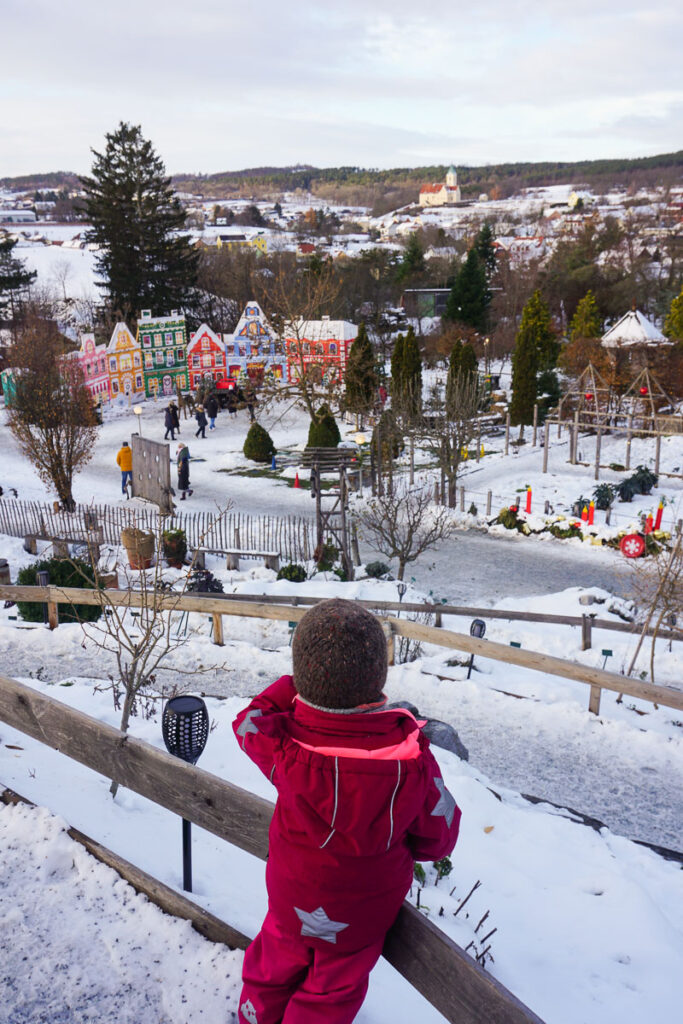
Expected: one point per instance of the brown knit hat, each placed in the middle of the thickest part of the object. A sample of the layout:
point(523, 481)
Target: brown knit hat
point(340, 655)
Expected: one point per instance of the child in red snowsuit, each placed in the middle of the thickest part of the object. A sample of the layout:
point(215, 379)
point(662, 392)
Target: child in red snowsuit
point(360, 798)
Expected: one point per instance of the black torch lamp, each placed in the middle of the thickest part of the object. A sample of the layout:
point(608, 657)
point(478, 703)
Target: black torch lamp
point(185, 728)
point(43, 580)
point(477, 629)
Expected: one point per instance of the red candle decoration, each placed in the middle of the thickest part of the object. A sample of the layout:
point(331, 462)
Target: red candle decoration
point(658, 517)
point(528, 499)
point(649, 523)
point(591, 513)
point(584, 513)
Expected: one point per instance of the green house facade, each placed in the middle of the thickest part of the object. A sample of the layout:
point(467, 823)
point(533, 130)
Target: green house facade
point(163, 344)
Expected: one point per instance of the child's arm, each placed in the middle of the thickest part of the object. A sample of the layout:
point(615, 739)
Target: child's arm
point(434, 832)
point(250, 726)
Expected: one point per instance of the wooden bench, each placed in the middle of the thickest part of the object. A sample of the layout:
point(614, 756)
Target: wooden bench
point(329, 460)
point(233, 555)
point(61, 544)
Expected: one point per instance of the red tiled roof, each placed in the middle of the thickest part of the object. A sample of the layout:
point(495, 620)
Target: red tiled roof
point(438, 187)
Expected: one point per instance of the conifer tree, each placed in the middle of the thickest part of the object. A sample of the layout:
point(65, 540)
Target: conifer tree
point(14, 277)
point(135, 217)
point(673, 325)
point(534, 341)
point(413, 262)
point(586, 322)
point(361, 380)
point(484, 248)
point(411, 376)
point(469, 299)
point(468, 361)
point(397, 374)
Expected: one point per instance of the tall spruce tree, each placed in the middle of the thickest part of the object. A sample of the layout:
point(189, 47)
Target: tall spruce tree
point(411, 376)
point(469, 299)
point(14, 277)
point(673, 325)
point(468, 361)
point(136, 217)
point(532, 344)
point(361, 380)
point(586, 322)
point(484, 248)
point(397, 375)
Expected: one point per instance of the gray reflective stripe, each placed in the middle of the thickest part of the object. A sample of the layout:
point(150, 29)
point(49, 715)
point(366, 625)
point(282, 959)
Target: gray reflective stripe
point(391, 806)
point(336, 799)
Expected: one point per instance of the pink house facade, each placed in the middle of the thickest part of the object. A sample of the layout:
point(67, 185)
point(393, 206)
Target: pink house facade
point(92, 359)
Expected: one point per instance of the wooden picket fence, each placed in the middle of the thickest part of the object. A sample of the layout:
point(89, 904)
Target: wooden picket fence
point(293, 536)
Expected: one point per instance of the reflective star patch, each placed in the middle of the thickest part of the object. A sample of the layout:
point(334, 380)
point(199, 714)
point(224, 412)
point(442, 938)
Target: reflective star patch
point(445, 805)
point(318, 925)
point(248, 1012)
point(247, 724)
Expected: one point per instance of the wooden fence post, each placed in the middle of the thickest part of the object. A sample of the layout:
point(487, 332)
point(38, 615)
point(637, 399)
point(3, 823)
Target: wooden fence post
point(507, 433)
point(52, 614)
point(629, 430)
point(574, 440)
point(535, 426)
point(598, 438)
point(586, 632)
point(462, 499)
point(594, 701)
point(658, 452)
point(478, 440)
point(389, 636)
point(546, 444)
point(218, 629)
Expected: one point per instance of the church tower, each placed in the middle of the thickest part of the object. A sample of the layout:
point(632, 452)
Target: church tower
point(452, 177)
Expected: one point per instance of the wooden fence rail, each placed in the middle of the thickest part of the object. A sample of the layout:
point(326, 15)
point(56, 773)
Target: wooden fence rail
point(596, 678)
point(293, 536)
point(435, 965)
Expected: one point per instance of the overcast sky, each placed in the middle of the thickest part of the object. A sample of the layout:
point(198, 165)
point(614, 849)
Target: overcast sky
point(221, 85)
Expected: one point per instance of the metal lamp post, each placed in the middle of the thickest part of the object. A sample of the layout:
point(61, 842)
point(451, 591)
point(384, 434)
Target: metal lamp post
point(137, 409)
point(477, 629)
point(185, 728)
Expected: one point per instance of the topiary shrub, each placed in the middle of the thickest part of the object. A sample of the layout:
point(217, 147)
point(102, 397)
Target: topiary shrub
point(258, 444)
point(323, 431)
point(63, 573)
point(292, 572)
point(375, 570)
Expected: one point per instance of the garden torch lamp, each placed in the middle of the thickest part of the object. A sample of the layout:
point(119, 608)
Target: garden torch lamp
point(137, 409)
point(185, 728)
point(477, 629)
point(43, 580)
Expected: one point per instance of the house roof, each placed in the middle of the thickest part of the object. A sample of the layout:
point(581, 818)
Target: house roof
point(203, 331)
point(321, 330)
point(633, 329)
point(437, 186)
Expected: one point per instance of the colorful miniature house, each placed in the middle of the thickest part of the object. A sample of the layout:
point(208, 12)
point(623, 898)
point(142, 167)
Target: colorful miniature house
point(205, 356)
point(254, 351)
point(92, 359)
point(163, 343)
point(319, 347)
point(124, 363)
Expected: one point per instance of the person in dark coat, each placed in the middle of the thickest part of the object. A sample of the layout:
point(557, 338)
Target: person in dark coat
point(176, 416)
point(212, 411)
point(183, 463)
point(200, 417)
point(231, 403)
point(250, 399)
point(360, 797)
point(169, 423)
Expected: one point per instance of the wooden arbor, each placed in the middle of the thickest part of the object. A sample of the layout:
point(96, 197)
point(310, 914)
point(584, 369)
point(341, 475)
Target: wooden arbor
point(589, 396)
point(645, 399)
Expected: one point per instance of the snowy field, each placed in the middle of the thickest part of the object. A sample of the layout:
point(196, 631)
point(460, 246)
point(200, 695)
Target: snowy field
point(588, 923)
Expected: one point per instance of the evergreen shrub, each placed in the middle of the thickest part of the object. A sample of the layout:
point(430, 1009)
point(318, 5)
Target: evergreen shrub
point(375, 570)
point(63, 573)
point(292, 572)
point(258, 444)
point(323, 431)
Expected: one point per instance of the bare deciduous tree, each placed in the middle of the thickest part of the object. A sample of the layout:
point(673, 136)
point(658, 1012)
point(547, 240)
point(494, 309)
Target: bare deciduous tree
point(659, 586)
point(404, 524)
point(448, 427)
point(51, 411)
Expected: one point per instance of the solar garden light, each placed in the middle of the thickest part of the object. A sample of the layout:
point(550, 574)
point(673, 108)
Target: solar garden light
point(478, 628)
point(673, 619)
point(185, 728)
point(43, 580)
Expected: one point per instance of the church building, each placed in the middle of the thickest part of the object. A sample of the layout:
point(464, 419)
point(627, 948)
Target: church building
point(444, 193)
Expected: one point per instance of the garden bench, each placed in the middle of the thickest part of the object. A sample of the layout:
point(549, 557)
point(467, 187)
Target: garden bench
point(90, 540)
point(233, 555)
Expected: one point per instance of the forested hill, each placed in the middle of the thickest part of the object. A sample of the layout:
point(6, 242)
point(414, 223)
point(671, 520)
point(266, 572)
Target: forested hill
point(363, 186)
point(388, 189)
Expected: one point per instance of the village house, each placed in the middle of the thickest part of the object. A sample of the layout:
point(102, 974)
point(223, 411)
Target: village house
point(163, 343)
point(321, 347)
point(240, 241)
point(254, 351)
point(124, 363)
point(442, 193)
point(92, 359)
point(205, 356)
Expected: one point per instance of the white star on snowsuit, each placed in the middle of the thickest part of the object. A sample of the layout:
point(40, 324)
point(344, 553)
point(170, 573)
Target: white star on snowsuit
point(318, 925)
point(445, 805)
point(247, 724)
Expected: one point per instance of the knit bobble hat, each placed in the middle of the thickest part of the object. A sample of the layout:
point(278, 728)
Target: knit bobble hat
point(340, 655)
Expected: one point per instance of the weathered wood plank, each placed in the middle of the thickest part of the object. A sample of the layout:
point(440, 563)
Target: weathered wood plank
point(167, 899)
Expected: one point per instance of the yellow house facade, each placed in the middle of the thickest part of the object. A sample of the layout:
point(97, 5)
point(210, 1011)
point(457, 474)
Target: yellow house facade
point(124, 363)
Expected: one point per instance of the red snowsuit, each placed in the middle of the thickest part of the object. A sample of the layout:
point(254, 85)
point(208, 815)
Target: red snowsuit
point(360, 797)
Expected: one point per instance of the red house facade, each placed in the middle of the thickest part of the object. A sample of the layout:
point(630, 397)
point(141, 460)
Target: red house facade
point(320, 347)
point(205, 356)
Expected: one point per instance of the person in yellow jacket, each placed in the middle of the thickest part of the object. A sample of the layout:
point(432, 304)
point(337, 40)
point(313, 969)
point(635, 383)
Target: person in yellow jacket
point(125, 463)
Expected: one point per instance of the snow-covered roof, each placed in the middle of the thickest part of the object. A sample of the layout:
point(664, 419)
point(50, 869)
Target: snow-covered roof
point(203, 331)
point(322, 330)
point(633, 329)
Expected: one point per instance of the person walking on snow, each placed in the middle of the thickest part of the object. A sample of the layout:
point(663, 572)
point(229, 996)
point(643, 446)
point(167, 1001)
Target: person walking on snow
point(169, 423)
point(124, 460)
point(183, 463)
point(212, 411)
point(360, 798)
point(200, 417)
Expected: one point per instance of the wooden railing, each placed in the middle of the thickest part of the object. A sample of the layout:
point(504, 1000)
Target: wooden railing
point(436, 966)
point(264, 608)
